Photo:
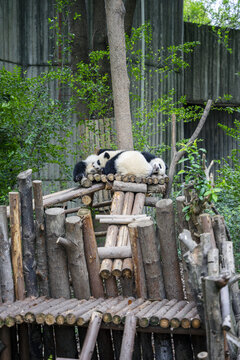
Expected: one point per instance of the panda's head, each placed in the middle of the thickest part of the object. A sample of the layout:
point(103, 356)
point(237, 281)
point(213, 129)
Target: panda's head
point(103, 158)
point(158, 165)
point(89, 163)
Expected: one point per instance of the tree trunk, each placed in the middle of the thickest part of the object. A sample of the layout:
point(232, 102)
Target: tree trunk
point(115, 12)
point(128, 337)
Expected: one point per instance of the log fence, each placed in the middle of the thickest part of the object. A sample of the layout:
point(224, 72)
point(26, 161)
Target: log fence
point(63, 296)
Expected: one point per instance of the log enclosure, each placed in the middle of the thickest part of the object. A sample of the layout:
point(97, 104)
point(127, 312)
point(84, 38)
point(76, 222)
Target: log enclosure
point(133, 285)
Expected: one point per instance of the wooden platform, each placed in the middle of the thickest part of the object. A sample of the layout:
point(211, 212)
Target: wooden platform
point(156, 316)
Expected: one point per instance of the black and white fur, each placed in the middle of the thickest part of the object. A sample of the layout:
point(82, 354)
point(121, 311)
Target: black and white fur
point(128, 163)
point(85, 167)
point(158, 165)
point(104, 157)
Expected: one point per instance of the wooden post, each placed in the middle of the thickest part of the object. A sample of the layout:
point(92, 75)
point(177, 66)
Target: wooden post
point(58, 278)
point(76, 257)
point(139, 273)
point(91, 336)
point(18, 278)
point(42, 267)
point(168, 246)
point(206, 223)
point(7, 286)
point(16, 247)
point(91, 253)
point(28, 232)
point(41, 253)
point(213, 319)
point(151, 260)
point(128, 337)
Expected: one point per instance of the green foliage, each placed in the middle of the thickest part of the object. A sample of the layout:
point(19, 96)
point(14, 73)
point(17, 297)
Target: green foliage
point(34, 128)
point(201, 190)
point(195, 12)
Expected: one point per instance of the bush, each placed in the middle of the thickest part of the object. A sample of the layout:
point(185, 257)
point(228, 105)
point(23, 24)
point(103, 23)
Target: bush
point(34, 127)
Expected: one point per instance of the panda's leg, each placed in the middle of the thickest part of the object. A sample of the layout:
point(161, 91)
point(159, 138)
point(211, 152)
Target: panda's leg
point(79, 171)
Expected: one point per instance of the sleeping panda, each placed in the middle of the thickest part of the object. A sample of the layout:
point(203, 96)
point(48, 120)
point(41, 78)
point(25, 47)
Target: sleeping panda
point(84, 167)
point(126, 163)
point(104, 157)
point(158, 165)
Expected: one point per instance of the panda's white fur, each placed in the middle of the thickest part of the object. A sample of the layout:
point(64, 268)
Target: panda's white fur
point(158, 166)
point(129, 163)
point(84, 167)
point(101, 160)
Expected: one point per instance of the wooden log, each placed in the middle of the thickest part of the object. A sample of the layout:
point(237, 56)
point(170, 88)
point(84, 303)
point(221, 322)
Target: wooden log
point(86, 183)
point(41, 252)
point(58, 277)
point(129, 187)
point(57, 260)
point(186, 238)
point(97, 177)
point(176, 319)
point(140, 282)
point(7, 286)
point(213, 319)
point(109, 313)
point(30, 316)
point(166, 319)
point(121, 314)
point(112, 231)
point(139, 201)
point(100, 233)
point(87, 200)
point(16, 245)
point(151, 201)
point(124, 220)
point(28, 232)
point(156, 189)
point(219, 231)
point(213, 262)
point(121, 216)
point(118, 177)
point(144, 315)
point(169, 256)
point(110, 177)
point(151, 260)
point(91, 253)
point(127, 268)
point(128, 337)
point(226, 308)
point(122, 240)
point(155, 319)
point(76, 257)
point(114, 252)
point(202, 355)
point(91, 336)
point(52, 314)
point(190, 318)
point(206, 224)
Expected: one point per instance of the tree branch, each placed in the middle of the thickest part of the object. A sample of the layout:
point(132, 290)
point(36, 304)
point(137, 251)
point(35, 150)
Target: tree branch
point(178, 155)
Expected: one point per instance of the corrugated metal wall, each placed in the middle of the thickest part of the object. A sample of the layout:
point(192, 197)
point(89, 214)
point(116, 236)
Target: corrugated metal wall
point(25, 40)
point(212, 71)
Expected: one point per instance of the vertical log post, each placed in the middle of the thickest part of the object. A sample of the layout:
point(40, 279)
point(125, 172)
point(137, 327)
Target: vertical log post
point(6, 276)
point(28, 233)
point(128, 337)
point(18, 277)
point(76, 257)
point(182, 224)
point(168, 246)
point(91, 336)
point(42, 267)
point(213, 319)
point(41, 253)
point(93, 266)
point(58, 278)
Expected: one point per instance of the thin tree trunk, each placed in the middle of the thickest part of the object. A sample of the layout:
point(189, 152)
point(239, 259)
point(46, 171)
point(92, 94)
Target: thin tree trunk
point(115, 12)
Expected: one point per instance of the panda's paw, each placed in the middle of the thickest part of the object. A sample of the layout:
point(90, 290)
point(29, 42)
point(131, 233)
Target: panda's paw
point(78, 177)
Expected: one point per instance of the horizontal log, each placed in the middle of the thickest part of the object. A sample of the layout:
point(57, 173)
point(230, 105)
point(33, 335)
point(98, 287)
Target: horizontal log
point(123, 221)
point(132, 187)
point(119, 216)
point(114, 252)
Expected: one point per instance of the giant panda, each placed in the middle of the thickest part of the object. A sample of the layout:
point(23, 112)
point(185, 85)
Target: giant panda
point(85, 167)
point(158, 165)
point(128, 162)
point(104, 157)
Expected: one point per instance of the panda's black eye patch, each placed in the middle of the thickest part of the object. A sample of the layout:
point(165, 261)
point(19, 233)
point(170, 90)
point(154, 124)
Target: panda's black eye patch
point(98, 162)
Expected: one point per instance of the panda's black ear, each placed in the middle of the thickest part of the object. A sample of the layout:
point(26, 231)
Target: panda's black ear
point(106, 155)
